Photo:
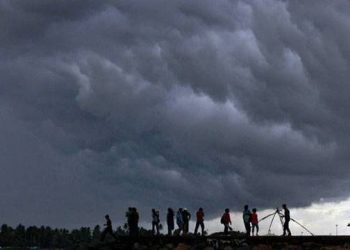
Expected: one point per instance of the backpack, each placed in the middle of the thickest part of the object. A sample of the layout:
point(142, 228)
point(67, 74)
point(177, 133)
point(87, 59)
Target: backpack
point(222, 221)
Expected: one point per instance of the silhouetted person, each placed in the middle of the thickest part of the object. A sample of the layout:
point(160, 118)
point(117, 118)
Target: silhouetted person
point(226, 220)
point(133, 220)
point(170, 221)
point(108, 229)
point(186, 216)
point(200, 221)
point(128, 216)
point(255, 222)
point(246, 219)
point(155, 222)
point(286, 220)
point(179, 220)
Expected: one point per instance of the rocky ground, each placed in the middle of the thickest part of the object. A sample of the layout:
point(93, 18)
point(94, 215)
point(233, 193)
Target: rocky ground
point(228, 242)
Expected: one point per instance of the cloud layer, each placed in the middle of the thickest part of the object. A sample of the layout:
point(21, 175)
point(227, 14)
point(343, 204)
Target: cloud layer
point(157, 104)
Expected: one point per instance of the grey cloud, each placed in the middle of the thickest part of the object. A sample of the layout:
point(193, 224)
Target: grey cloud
point(213, 104)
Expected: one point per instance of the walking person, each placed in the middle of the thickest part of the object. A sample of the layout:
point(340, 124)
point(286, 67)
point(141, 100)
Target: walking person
point(108, 229)
point(226, 220)
point(186, 216)
point(179, 220)
point(155, 222)
point(286, 220)
point(170, 221)
point(255, 222)
point(246, 219)
point(200, 221)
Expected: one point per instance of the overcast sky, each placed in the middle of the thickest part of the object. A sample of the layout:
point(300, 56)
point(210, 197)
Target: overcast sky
point(111, 104)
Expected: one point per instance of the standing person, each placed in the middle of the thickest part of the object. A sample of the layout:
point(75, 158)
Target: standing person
point(226, 220)
point(129, 220)
point(134, 230)
point(186, 216)
point(108, 229)
point(155, 221)
point(179, 220)
point(255, 222)
point(246, 219)
point(286, 220)
point(170, 220)
point(132, 221)
point(200, 221)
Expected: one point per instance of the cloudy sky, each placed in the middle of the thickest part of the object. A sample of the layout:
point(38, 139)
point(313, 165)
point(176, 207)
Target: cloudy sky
point(110, 104)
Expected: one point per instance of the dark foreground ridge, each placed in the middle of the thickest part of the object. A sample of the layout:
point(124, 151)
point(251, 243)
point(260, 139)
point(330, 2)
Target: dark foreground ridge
point(219, 242)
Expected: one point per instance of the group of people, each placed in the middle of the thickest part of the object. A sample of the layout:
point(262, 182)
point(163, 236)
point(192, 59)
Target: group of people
point(183, 217)
point(251, 222)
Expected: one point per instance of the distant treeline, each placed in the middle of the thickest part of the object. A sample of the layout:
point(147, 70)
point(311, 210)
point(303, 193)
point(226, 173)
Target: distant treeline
point(47, 237)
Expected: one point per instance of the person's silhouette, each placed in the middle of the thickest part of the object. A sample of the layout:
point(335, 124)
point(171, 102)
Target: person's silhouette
point(108, 229)
point(179, 220)
point(155, 222)
point(170, 221)
point(133, 221)
point(200, 221)
point(186, 216)
point(246, 219)
point(286, 220)
point(255, 222)
point(226, 220)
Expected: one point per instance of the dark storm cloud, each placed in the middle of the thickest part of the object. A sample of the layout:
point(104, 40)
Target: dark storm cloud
point(213, 104)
